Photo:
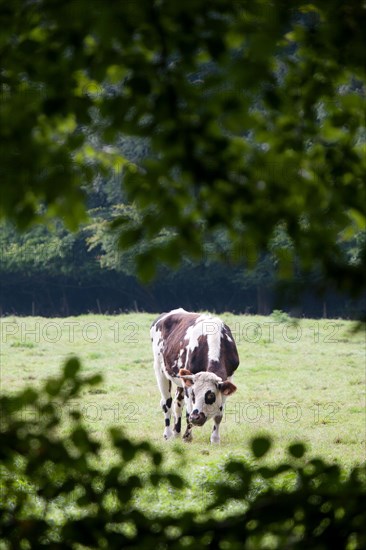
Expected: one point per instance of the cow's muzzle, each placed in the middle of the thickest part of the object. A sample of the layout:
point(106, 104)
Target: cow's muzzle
point(197, 418)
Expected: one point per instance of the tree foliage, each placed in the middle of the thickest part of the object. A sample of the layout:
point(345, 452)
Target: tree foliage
point(254, 114)
point(56, 494)
point(50, 271)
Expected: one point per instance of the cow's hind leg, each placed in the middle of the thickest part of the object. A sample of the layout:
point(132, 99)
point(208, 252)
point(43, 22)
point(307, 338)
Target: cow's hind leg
point(165, 387)
point(178, 409)
point(215, 435)
point(166, 405)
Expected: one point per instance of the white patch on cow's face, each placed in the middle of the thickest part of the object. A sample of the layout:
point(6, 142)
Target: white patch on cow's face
point(205, 395)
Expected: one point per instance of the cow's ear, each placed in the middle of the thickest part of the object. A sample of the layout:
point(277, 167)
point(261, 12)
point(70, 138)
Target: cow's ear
point(187, 381)
point(227, 388)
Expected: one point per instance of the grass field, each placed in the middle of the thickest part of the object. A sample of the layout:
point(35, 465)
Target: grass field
point(296, 381)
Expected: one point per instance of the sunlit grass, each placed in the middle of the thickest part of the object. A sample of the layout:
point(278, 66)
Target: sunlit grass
point(303, 381)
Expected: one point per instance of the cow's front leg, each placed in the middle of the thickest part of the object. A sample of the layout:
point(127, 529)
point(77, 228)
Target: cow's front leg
point(178, 409)
point(215, 435)
point(188, 433)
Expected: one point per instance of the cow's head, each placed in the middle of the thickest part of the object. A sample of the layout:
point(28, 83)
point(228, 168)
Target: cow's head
point(206, 392)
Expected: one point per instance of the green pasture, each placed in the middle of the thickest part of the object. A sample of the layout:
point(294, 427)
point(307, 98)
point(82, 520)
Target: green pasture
point(300, 380)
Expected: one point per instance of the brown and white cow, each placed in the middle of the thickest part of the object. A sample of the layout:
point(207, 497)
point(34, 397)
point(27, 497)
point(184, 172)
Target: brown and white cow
point(196, 352)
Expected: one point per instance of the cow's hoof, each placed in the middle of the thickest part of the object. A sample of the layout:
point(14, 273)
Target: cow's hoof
point(168, 434)
point(187, 438)
point(215, 440)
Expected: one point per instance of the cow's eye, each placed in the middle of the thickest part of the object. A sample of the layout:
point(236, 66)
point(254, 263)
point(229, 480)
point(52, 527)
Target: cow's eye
point(210, 397)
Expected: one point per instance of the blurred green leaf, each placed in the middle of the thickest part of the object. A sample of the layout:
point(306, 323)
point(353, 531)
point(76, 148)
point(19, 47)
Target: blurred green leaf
point(94, 380)
point(53, 387)
point(72, 367)
point(157, 459)
point(28, 397)
point(297, 450)
point(260, 446)
point(175, 480)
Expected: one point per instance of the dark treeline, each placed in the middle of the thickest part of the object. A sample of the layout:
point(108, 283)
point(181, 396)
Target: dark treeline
point(203, 286)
